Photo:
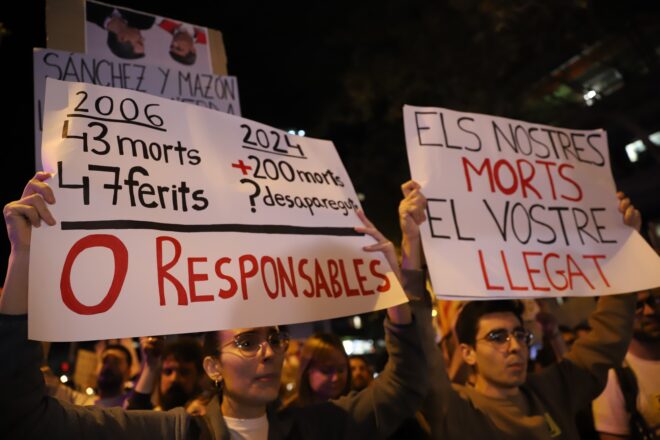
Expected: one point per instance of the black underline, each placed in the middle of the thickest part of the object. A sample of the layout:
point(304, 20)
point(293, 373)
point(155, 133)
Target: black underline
point(227, 227)
point(123, 121)
point(261, 150)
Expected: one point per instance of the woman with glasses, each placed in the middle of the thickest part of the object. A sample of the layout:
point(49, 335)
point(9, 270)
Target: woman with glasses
point(245, 365)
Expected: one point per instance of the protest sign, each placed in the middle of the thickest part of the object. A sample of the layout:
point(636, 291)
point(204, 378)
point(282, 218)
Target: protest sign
point(204, 89)
point(174, 218)
point(521, 210)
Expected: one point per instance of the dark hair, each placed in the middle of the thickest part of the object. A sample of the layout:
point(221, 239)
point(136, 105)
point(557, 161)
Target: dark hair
point(317, 348)
point(122, 50)
point(582, 326)
point(467, 323)
point(211, 347)
point(362, 358)
point(564, 329)
point(187, 59)
point(185, 350)
point(129, 358)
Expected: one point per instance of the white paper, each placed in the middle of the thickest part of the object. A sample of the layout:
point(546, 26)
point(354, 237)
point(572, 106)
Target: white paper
point(242, 225)
point(517, 209)
point(180, 84)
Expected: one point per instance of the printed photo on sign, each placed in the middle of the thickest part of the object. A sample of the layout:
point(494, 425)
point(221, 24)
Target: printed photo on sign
point(204, 89)
point(517, 209)
point(199, 219)
point(120, 33)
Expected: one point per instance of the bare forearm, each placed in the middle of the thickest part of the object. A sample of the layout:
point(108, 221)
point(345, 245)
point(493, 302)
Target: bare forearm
point(411, 253)
point(147, 381)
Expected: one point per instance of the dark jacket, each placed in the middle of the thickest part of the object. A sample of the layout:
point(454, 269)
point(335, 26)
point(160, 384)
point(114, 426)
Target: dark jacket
point(26, 412)
point(548, 401)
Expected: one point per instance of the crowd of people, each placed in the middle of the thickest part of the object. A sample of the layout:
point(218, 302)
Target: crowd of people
point(473, 379)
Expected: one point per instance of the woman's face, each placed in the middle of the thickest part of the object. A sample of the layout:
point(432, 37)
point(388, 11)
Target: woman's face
point(327, 379)
point(250, 366)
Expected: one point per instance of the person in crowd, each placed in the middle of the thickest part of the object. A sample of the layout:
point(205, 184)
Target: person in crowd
point(124, 28)
point(629, 407)
point(114, 372)
point(245, 365)
point(506, 401)
point(361, 375)
point(177, 369)
point(324, 371)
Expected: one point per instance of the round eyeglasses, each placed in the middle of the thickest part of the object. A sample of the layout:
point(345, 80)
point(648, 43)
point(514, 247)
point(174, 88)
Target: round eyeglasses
point(250, 343)
point(502, 337)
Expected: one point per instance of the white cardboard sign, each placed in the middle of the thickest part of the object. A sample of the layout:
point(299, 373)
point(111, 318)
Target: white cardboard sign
point(173, 218)
point(203, 89)
point(517, 209)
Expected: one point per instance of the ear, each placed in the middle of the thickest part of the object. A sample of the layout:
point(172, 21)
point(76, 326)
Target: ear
point(213, 368)
point(469, 354)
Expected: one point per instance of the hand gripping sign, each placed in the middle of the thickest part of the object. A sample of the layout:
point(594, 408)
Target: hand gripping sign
point(173, 218)
point(521, 210)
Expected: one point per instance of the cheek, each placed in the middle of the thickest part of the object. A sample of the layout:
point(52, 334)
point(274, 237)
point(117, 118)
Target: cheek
point(316, 380)
point(489, 361)
point(236, 374)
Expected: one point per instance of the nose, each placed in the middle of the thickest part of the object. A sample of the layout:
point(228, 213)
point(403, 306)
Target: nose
point(514, 344)
point(266, 350)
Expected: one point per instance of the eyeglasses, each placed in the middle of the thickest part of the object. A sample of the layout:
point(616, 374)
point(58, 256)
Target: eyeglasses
point(652, 301)
point(249, 343)
point(501, 337)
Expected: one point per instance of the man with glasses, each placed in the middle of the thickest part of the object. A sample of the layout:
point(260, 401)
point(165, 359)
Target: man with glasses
point(612, 416)
point(505, 401)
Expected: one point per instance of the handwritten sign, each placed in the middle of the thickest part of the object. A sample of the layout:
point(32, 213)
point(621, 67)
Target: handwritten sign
point(521, 210)
point(173, 218)
point(211, 91)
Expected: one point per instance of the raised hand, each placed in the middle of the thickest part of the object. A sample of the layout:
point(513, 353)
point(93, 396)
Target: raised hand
point(21, 215)
point(631, 216)
point(411, 215)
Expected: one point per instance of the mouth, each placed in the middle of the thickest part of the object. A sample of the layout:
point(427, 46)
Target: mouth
point(266, 378)
point(518, 365)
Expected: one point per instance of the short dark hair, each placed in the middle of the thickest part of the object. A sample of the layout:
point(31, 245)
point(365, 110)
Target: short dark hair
point(360, 357)
point(122, 50)
point(187, 59)
point(121, 348)
point(185, 350)
point(467, 323)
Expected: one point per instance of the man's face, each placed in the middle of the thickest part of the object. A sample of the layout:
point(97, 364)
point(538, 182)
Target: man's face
point(134, 37)
point(498, 364)
point(182, 373)
point(182, 44)
point(360, 375)
point(647, 316)
point(114, 371)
